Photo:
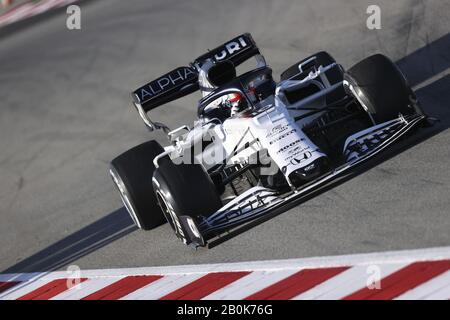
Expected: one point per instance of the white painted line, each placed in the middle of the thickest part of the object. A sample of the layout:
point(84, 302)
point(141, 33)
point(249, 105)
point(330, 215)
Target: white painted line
point(432, 79)
point(262, 274)
point(86, 288)
point(22, 289)
point(16, 14)
point(162, 287)
point(250, 284)
point(437, 288)
point(18, 277)
point(31, 9)
point(407, 256)
point(442, 294)
point(347, 282)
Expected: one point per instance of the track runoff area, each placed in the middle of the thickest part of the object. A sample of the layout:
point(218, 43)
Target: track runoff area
point(402, 275)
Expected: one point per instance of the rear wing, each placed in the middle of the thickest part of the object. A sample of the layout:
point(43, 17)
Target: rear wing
point(236, 50)
point(171, 86)
point(184, 80)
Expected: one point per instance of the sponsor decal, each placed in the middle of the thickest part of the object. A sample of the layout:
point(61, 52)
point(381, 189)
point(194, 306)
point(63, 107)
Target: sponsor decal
point(284, 135)
point(277, 130)
point(286, 147)
point(231, 48)
point(296, 160)
point(167, 82)
point(295, 151)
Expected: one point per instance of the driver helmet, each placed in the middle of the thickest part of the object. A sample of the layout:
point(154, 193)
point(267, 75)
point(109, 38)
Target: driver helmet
point(214, 74)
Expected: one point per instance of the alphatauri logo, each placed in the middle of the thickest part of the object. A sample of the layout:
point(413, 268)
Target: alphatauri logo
point(231, 48)
point(167, 82)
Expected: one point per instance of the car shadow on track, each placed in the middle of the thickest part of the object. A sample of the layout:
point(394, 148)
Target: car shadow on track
point(80, 243)
point(421, 67)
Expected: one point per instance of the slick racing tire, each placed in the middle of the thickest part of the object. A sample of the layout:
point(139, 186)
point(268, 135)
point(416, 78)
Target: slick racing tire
point(132, 173)
point(381, 88)
point(184, 190)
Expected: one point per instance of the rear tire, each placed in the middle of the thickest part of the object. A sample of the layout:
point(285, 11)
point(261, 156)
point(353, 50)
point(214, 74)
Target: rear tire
point(381, 88)
point(132, 173)
point(184, 190)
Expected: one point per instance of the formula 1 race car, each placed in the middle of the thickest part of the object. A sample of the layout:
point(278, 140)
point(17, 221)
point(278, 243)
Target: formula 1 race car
point(257, 144)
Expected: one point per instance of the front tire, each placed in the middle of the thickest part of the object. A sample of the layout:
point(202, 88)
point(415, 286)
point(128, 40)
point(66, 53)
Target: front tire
point(132, 174)
point(381, 88)
point(184, 190)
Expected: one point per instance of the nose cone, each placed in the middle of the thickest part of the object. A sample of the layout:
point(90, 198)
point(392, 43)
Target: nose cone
point(309, 172)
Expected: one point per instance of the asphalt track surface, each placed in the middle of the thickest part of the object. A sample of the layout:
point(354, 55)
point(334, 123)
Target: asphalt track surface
point(65, 113)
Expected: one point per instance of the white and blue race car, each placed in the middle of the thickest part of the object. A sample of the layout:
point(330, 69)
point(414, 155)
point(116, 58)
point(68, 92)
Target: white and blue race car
point(258, 145)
